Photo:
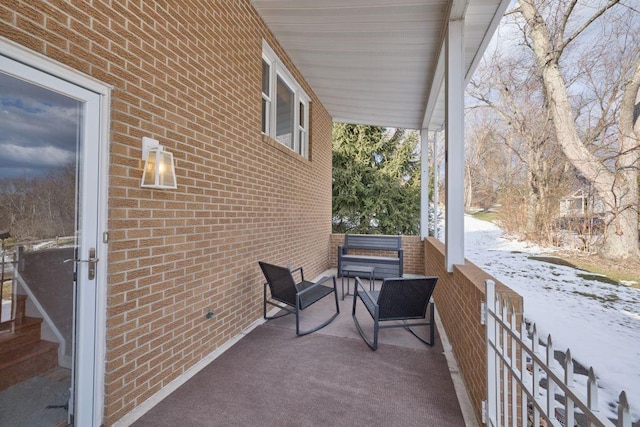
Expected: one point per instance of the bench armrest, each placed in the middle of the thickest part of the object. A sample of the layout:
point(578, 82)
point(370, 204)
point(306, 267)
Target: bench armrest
point(342, 250)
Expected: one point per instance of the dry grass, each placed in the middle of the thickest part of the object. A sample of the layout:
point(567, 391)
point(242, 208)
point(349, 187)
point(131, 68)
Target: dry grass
point(618, 270)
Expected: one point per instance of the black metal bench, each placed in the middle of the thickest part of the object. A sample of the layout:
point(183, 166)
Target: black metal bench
point(388, 264)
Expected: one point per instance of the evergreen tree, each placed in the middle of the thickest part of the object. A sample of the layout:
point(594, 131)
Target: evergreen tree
point(376, 180)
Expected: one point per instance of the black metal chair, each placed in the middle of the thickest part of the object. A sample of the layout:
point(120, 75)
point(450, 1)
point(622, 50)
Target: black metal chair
point(295, 296)
point(399, 299)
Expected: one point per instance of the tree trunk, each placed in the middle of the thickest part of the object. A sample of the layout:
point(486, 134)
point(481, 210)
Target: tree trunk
point(623, 244)
point(468, 188)
point(624, 221)
point(533, 201)
point(618, 191)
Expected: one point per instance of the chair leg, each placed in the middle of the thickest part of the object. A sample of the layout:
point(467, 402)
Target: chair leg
point(376, 329)
point(355, 298)
point(264, 301)
point(415, 334)
point(322, 325)
point(335, 294)
point(373, 344)
point(431, 323)
point(297, 319)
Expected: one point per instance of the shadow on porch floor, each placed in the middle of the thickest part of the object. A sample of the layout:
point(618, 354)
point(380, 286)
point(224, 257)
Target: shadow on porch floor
point(273, 378)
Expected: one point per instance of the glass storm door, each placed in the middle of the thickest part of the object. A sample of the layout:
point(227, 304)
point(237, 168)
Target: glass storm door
point(49, 192)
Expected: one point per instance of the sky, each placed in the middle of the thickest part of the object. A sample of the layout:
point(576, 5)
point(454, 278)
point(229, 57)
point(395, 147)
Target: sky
point(599, 322)
point(38, 129)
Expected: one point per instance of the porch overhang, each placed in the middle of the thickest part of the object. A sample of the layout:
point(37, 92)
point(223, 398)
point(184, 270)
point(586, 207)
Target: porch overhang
point(380, 62)
point(394, 63)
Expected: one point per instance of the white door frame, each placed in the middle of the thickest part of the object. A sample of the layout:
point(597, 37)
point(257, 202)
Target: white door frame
point(89, 359)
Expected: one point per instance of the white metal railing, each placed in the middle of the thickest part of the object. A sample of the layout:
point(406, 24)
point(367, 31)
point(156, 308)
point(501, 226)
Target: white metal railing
point(515, 368)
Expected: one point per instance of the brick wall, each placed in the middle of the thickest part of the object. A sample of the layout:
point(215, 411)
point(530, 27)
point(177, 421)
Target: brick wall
point(413, 261)
point(413, 254)
point(458, 298)
point(187, 73)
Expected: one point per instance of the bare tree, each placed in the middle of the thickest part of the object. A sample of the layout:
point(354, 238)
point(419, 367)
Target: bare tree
point(486, 163)
point(39, 207)
point(609, 163)
point(508, 85)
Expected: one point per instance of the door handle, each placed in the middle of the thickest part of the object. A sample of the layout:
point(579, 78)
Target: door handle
point(92, 261)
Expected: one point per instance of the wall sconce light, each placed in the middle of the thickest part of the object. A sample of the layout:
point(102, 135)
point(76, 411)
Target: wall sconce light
point(159, 170)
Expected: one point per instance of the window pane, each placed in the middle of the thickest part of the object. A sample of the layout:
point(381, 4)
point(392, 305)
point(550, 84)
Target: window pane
point(285, 110)
point(265, 78)
point(302, 115)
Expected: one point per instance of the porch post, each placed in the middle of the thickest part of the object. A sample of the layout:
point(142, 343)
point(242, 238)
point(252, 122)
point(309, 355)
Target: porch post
point(454, 144)
point(424, 183)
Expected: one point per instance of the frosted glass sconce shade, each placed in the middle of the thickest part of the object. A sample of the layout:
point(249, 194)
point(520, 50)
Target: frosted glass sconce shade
point(159, 170)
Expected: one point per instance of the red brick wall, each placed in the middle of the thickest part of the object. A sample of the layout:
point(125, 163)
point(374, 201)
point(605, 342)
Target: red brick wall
point(413, 254)
point(458, 298)
point(187, 73)
point(413, 261)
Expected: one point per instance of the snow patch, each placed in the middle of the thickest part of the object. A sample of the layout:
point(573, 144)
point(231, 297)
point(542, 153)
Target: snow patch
point(599, 322)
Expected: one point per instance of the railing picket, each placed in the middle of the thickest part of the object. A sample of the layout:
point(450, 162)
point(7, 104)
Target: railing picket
point(624, 416)
point(505, 369)
point(551, 389)
point(592, 394)
point(523, 372)
point(569, 409)
point(536, 375)
point(514, 363)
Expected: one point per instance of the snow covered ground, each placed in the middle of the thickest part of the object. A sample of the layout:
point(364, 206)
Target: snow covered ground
point(599, 322)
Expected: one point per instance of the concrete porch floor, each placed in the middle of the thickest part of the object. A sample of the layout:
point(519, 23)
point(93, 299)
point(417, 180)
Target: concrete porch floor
point(331, 377)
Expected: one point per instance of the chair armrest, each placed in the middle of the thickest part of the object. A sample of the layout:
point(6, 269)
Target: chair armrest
point(326, 279)
point(364, 294)
point(318, 283)
point(298, 269)
point(401, 259)
point(315, 285)
point(342, 250)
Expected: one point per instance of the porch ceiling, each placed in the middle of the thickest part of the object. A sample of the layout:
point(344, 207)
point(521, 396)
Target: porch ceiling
point(379, 62)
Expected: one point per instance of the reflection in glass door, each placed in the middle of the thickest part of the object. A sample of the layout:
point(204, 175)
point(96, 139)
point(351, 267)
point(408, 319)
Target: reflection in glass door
point(47, 223)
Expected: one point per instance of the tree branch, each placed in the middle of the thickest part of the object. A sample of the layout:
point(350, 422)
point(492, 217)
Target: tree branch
point(565, 19)
point(584, 26)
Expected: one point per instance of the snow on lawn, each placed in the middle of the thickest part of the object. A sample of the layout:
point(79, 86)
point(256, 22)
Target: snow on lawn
point(599, 322)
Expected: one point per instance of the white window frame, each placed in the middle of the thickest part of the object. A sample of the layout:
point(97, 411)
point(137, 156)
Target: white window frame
point(278, 69)
point(267, 98)
point(303, 128)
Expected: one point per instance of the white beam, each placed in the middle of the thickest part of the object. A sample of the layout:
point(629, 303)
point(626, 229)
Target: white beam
point(454, 144)
point(425, 141)
point(434, 92)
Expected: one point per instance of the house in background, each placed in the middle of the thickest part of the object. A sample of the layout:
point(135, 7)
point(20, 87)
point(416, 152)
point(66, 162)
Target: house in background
point(243, 95)
point(581, 203)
